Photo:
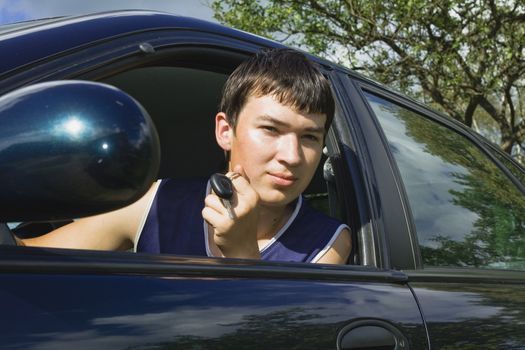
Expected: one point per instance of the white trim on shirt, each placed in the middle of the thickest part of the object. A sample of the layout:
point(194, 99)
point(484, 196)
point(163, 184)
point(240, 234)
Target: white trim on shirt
point(330, 243)
point(205, 225)
point(156, 184)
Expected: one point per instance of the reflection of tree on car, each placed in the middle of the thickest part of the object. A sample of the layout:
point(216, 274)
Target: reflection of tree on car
point(492, 307)
point(480, 187)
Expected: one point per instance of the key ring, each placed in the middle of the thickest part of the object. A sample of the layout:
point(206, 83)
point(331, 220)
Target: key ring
point(233, 175)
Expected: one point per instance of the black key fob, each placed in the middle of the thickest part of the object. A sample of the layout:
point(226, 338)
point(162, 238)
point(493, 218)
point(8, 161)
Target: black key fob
point(222, 186)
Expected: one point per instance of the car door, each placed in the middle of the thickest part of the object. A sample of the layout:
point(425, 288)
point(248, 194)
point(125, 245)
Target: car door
point(62, 298)
point(464, 214)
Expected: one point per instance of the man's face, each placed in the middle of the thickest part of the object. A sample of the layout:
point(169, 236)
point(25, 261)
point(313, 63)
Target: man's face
point(278, 147)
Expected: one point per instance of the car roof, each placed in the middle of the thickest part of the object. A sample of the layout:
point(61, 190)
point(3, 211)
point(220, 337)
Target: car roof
point(34, 40)
point(27, 42)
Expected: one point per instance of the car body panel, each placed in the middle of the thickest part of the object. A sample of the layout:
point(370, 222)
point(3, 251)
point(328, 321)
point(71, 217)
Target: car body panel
point(126, 300)
point(466, 309)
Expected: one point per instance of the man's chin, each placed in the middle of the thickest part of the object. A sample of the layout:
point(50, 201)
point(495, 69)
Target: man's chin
point(277, 198)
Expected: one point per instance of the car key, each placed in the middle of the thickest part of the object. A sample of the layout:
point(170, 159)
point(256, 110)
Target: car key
point(223, 187)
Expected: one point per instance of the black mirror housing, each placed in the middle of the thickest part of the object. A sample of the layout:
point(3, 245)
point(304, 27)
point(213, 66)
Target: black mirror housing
point(70, 149)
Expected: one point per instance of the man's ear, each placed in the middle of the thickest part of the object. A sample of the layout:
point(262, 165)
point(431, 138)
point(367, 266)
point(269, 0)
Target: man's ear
point(223, 131)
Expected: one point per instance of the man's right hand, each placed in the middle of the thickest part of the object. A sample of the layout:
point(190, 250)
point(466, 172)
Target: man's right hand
point(237, 237)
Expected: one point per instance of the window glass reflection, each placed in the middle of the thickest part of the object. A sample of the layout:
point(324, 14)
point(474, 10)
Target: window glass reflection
point(516, 171)
point(466, 211)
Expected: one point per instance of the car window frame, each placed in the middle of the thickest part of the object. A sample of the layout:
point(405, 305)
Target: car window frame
point(122, 53)
point(390, 222)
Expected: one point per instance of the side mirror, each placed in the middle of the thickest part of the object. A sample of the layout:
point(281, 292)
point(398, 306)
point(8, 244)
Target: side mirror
point(73, 148)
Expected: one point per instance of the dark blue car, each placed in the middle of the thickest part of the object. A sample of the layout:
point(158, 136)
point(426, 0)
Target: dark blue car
point(437, 212)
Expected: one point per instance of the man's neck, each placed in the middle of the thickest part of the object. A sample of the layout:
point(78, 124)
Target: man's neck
point(272, 219)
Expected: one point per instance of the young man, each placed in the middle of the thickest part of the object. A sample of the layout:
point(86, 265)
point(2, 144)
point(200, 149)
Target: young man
point(275, 111)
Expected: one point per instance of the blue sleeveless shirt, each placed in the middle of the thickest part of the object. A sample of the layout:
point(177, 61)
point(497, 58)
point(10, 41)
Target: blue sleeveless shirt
point(174, 225)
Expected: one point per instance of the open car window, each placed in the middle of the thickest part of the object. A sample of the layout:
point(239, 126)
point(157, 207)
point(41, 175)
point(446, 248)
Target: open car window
point(182, 93)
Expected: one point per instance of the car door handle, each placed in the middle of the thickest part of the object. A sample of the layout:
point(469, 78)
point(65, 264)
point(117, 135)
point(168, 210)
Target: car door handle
point(371, 335)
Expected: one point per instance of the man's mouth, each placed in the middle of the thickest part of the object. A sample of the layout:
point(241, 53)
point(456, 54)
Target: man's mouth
point(282, 179)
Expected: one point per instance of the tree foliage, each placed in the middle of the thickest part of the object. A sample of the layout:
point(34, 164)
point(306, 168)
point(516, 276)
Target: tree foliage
point(466, 57)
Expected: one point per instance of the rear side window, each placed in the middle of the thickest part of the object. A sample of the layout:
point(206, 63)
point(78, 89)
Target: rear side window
point(466, 210)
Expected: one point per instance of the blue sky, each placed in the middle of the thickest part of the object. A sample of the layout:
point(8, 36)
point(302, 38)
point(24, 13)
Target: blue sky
point(20, 10)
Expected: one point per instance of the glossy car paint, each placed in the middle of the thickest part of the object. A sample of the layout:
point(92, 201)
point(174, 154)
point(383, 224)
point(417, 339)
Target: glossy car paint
point(37, 44)
point(101, 137)
point(116, 300)
point(473, 315)
point(467, 309)
point(92, 300)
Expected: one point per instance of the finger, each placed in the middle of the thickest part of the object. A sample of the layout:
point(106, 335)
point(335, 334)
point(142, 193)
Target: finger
point(212, 201)
point(239, 170)
point(222, 206)
point(240, 182)
point(245, 195)
point(215, 219)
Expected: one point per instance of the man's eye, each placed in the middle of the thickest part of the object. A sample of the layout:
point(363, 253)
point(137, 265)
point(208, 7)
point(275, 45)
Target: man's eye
point(310, 137)
point(269, 129)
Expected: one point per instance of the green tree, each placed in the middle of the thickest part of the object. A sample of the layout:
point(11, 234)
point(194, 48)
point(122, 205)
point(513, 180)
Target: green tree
point(466, 57)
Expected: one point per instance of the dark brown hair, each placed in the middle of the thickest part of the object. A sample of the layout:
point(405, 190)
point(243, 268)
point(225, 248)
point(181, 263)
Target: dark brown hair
point(285, 74)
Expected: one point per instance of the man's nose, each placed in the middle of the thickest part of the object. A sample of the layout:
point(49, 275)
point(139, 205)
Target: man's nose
point(290, 151)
